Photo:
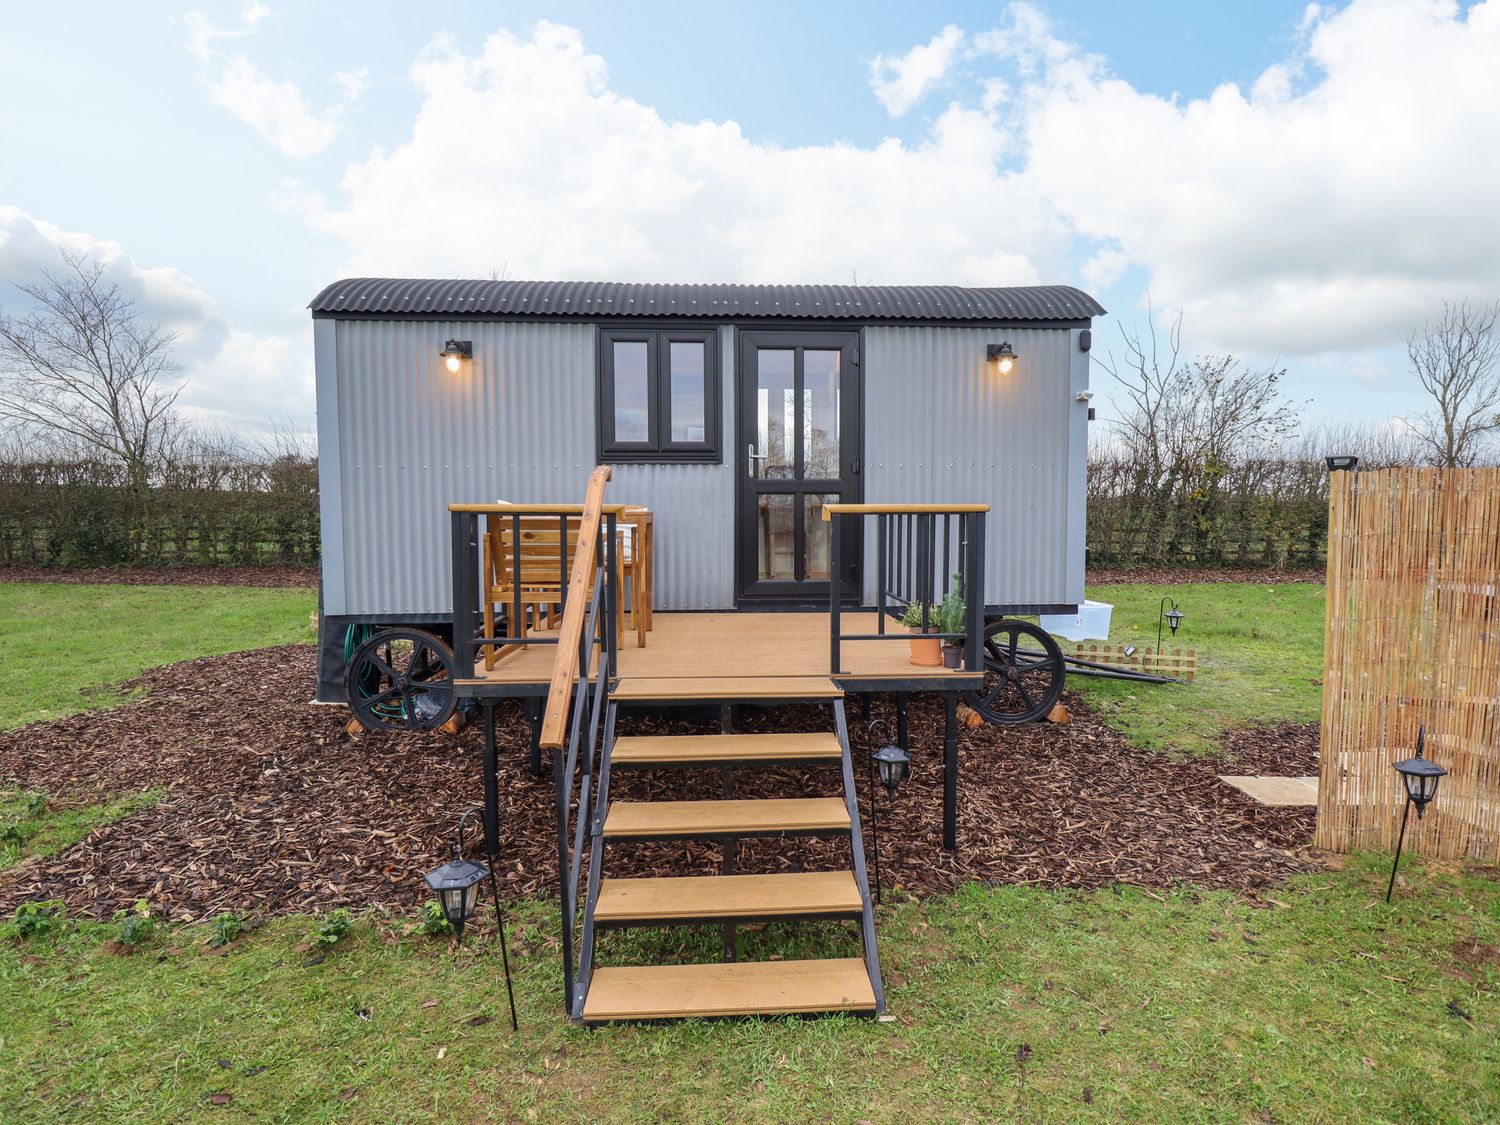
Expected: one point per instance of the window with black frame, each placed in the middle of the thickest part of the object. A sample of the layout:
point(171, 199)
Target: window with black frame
point(659, 395)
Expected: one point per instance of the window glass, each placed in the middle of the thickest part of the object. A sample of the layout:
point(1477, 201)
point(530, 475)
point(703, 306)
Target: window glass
point(687, 381)
point(776, 523)
point(632, 399)
point(820, 414)
point(776, 412)
point(816, 543)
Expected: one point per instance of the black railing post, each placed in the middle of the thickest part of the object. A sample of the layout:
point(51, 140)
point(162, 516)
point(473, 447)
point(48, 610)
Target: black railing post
point(972, 527)
point(464, 581)
point(880, 575)
point(611, 564)
point(562, 786)
point(835, 590)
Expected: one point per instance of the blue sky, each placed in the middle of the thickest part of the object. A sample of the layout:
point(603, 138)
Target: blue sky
point(231, 159)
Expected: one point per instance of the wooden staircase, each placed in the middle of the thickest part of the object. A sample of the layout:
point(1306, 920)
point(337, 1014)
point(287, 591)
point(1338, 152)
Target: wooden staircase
point(731, 988)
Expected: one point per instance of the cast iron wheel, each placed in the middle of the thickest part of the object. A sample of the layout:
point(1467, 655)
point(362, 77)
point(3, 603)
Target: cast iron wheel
point(1023, 673)
point(401, 679)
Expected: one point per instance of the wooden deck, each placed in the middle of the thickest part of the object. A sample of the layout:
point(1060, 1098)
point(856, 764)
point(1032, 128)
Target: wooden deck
point(732, 647)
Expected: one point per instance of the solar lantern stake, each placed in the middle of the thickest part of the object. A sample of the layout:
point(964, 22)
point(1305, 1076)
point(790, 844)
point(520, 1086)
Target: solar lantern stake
point(1421, 777)
point(456, 885)
point(1173, 618)
point(893, 764)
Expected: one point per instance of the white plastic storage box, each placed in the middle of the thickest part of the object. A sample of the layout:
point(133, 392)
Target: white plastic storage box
point(1090, 623)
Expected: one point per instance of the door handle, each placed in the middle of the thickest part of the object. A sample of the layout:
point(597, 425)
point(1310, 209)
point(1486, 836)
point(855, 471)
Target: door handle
point(753, 458)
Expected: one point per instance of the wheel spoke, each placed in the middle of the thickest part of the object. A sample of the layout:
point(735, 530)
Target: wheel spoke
point(1026, 695)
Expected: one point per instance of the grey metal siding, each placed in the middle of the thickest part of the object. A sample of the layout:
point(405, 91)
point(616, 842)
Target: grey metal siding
point(517, 424)
point(942, 424)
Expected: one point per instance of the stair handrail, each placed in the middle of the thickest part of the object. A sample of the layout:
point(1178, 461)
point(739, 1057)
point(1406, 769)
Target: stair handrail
point(565, 666)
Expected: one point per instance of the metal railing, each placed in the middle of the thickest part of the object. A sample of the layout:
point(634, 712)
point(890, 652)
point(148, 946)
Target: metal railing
point(919, 549)
point(587, 625)
point(472, 525)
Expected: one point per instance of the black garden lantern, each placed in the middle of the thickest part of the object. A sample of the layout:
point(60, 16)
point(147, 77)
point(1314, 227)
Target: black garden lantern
point(1342, 463)
point(1173, 618)
point(1421, 778)
point(456, 885)
point(894, 765)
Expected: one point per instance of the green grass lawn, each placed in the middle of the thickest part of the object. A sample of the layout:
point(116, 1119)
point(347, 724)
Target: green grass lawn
point(32, 824)
point(63, 648)
point(1009, 1002)
point(1260, 659)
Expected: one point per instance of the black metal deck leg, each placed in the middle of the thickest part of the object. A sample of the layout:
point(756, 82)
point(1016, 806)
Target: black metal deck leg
point(491, 785)
point(950, 773)
point(534, 709)
point(901, 736)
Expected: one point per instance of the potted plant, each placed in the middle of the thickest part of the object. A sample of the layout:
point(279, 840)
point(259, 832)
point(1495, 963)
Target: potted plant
point(953, 616)
point(925, 651)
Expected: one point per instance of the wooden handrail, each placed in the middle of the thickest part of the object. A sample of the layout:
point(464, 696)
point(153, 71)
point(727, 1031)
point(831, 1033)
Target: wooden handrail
point(829, 510)
point(536, 509)
point(565, 665)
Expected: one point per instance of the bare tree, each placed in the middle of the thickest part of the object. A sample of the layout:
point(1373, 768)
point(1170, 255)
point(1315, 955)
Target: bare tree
point(83, 367)
point(1185, 424)
point(1457, 361)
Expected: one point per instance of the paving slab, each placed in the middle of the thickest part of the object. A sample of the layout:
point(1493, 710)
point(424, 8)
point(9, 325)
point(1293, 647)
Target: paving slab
point(1280, 791)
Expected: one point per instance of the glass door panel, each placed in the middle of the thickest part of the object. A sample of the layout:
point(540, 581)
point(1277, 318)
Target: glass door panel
point(798, 426)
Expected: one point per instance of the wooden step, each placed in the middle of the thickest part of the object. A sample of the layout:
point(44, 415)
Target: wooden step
point(743, 988)
point(724, 749)
point(724, 688)
point(725, 818)
point(799, 894)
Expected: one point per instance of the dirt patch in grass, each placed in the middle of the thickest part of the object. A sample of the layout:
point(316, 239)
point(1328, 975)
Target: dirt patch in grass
point(1172, 576)
point(279, 576)
point(271, 808)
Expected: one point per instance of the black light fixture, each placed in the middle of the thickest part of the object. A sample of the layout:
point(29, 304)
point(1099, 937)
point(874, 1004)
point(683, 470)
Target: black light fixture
point(1004, 354)
point(894, 765)
point(1342, 463)
point(1173, 618)
point(455, 352)
point(456, 885)
point(1421, 777)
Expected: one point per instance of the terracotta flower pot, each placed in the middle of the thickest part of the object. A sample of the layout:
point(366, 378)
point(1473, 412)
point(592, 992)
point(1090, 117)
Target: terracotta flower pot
point(926, 651)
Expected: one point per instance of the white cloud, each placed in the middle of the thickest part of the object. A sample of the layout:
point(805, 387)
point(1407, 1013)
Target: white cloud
point(522, 157)
point(234, 379)
point(1332, 206)
point(279, 111)
point(900, 82)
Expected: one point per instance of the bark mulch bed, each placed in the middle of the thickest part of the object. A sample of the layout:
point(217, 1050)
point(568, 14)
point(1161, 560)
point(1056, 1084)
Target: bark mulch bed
point(1178, 575)
point(272, 808)
point(285, 576)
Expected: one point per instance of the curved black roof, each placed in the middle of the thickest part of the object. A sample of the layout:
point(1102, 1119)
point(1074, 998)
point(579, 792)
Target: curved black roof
point(414, 297)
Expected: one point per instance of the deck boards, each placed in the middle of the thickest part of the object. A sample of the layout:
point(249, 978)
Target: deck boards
point(735, 646)
point(694, 818)
point(711, 749)
point(643, 992)
point(645, 688)
point(808, 893)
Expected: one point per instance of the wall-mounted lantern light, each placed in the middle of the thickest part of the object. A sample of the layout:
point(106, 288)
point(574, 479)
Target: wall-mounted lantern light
point(1002, 354)
point(1421, 778)
point(455, 352)
point(1341, 464)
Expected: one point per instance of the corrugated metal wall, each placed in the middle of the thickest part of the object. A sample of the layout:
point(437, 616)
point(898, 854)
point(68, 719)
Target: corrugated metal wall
point(942, 424)
point(517, 425)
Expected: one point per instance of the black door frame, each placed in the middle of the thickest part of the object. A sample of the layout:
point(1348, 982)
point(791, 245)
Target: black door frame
point(750, 590)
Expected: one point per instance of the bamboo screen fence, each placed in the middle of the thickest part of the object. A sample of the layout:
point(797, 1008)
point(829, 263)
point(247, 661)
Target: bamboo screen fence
point(1412, 636)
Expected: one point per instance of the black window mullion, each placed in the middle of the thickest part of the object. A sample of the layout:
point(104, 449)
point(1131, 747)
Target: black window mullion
point(659, 448)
